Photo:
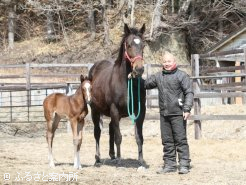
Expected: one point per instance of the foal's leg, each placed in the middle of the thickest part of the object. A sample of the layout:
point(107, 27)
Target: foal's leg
point(115, 119)
point(111, 140)
point(97, 133)
point(77, 127)
point(51, 128)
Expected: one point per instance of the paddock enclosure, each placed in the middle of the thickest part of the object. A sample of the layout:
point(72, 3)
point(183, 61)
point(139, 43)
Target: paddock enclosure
point(216, 132)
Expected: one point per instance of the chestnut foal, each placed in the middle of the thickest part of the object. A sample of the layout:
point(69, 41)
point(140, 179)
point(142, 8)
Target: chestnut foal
point(74, 108)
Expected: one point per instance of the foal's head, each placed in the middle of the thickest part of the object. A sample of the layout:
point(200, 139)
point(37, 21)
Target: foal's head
point(133, 47)
point(86, 88)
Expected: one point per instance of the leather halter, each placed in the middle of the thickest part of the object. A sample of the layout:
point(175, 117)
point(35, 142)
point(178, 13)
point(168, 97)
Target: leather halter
point(131, 60)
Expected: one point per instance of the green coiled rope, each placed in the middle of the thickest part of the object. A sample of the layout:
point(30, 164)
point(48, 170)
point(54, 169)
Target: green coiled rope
point(131, 98)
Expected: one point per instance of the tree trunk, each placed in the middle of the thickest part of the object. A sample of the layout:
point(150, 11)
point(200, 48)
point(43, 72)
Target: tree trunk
point(132, 13)
point(156, 18)
point(50, 33)
point(11, 27)
point(91, 20)
point(105, 23)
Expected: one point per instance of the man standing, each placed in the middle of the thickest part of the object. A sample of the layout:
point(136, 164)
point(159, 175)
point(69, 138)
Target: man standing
point(175, 103)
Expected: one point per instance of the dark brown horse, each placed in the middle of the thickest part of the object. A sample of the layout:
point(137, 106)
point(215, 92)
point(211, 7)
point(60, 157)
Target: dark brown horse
point(74, 108)
point(109, 91)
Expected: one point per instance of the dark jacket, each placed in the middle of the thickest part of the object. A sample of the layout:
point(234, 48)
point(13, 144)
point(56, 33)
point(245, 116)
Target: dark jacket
point(175, 91)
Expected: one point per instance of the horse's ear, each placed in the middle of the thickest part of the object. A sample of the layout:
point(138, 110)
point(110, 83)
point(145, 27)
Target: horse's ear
point(82, 78)
point(142, 30)
point(126, 29)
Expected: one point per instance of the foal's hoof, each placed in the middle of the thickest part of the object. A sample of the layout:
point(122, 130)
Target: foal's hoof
point(77, 167)
point(52, 165)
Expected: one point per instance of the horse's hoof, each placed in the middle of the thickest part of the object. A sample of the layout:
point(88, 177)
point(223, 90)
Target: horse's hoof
point(112, 157)
point(118, 161)
point(98, 163)
point(141, 169)
point(142, 163)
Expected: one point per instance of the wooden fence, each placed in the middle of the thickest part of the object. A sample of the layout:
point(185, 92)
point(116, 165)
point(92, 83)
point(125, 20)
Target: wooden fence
point(226, 90)
point(21, 99)
point(36, 81)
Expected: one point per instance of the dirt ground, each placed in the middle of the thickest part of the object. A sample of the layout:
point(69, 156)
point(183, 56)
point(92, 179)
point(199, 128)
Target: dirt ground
point(218, 158)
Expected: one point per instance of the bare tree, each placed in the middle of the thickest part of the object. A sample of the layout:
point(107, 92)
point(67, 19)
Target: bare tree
point(50, 33)
point(105, 23)
point(91, 19)
point(11, 23)
point(156, 18)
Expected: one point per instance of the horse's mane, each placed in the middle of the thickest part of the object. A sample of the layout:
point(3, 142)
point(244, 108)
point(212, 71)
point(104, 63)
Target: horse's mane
point(133, 31)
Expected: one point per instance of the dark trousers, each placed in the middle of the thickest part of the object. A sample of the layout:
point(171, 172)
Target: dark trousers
point(174, 140)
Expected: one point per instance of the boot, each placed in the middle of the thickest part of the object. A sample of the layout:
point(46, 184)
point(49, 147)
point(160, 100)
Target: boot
point(184, 170)
point(184, 166)
point(167, 169)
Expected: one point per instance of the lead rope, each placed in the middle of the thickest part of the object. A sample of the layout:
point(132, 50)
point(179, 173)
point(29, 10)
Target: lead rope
point(130, 90)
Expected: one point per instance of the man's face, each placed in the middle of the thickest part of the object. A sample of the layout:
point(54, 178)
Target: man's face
point(168, 63)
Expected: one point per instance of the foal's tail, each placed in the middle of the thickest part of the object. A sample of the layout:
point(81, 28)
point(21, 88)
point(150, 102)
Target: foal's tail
point(47, 108)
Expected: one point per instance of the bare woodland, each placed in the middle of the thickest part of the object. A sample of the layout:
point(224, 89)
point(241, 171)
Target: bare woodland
point(202, 23)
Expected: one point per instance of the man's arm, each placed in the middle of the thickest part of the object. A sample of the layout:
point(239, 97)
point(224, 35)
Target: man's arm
point(188, 93)
point(150, 82)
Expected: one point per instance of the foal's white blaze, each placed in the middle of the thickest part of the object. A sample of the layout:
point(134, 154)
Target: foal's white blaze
point(137, 41)
point(87, 87)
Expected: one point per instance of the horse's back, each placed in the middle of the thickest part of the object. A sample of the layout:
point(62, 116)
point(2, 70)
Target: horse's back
point(52, 101)
point(99, 67)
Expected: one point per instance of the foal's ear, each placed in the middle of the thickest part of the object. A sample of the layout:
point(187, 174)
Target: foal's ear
point(82, 78)
point(142, 30)
point(126, 29)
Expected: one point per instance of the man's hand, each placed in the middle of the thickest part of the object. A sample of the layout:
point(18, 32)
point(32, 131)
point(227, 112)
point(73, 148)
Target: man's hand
point(186, 115)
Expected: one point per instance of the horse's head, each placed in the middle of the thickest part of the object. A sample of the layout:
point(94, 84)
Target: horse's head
point(86, 88)
point(133, 49)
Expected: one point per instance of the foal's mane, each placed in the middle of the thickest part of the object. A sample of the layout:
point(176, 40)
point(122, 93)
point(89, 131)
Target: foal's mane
point(132, 31)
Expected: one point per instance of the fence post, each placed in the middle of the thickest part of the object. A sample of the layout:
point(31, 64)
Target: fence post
point(197, 102)
point(11, 107)
point(28, 87)
point(244, 97)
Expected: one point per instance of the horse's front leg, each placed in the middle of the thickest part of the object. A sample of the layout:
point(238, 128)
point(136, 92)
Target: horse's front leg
point(111, 141)
point(115, 120)
point(139, 135)
point(77, 128)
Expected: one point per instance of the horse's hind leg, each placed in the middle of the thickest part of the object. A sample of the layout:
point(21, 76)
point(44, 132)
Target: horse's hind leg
point(51, 128)
point(115, 119)
point(97, 133)
point(77, 127)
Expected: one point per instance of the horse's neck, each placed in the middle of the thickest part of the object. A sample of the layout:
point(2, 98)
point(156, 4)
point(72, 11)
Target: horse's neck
point(123, 70)
point(78, 95)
